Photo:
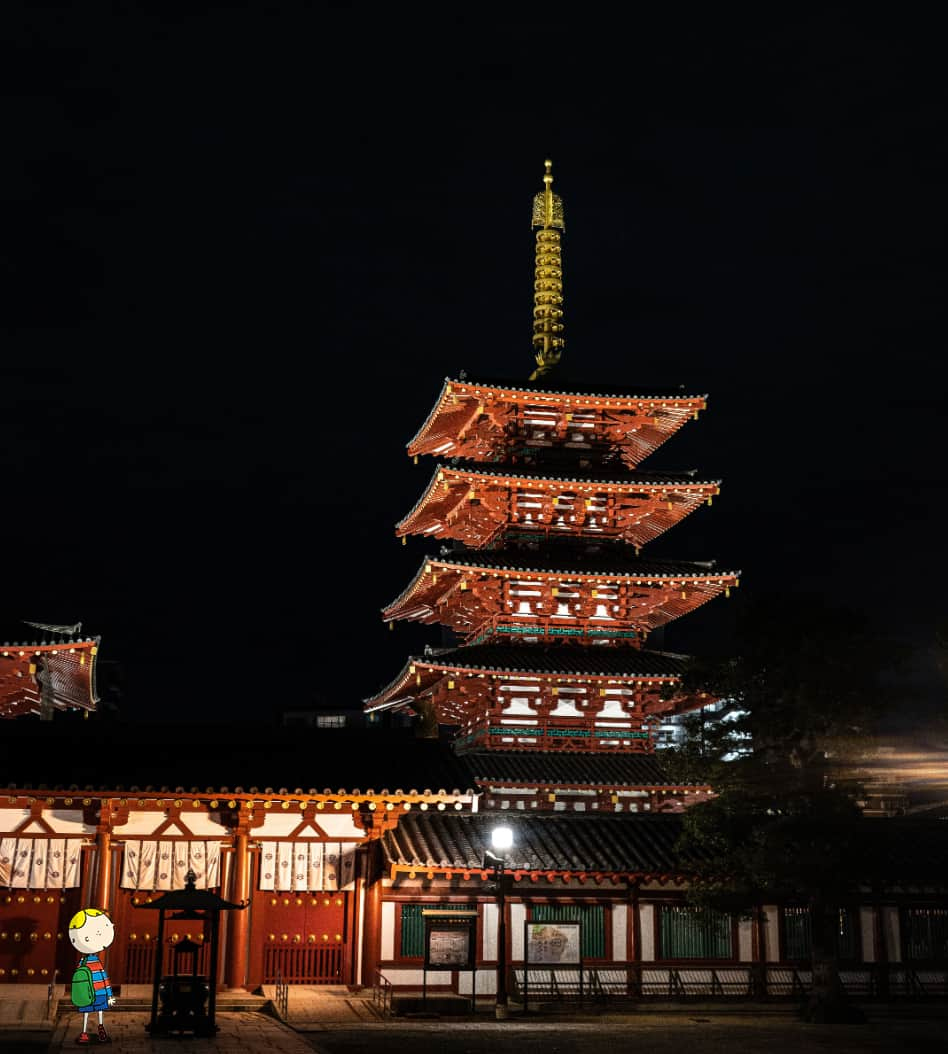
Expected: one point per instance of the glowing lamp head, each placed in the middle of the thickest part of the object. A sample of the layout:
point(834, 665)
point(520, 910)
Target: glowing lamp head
point(501, 839)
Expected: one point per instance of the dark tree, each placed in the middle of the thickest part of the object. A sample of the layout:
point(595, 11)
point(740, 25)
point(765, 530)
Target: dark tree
point(804, 699)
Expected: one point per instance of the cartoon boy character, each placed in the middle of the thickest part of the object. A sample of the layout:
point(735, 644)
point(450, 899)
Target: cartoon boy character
point(91, 931)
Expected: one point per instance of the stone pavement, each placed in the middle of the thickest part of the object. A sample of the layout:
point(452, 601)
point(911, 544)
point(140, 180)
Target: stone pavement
point(243, 1032)
point(311, 1005)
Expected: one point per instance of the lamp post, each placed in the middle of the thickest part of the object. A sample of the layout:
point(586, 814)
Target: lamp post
point(501, 840)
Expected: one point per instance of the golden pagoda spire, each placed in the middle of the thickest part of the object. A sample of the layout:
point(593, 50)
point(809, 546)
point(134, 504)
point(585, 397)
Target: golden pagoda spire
point(548, 342)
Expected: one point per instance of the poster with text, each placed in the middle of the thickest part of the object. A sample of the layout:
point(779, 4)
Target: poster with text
point(553, 943)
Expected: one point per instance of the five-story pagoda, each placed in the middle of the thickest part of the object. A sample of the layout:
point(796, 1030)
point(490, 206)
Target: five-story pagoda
point(542, 509)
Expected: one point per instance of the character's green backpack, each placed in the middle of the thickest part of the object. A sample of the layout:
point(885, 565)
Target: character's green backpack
point(82, 992)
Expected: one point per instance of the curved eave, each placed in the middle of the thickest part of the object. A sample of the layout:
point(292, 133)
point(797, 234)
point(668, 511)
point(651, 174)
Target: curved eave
point(402, 527)
point(395, 692)
point(432, 414)
point(469, 476)
point(390, 611)
point(474, 393)
point(476, 389)
point(636, 578)
point(632, 481)
point(501, 671)
point(420, 674)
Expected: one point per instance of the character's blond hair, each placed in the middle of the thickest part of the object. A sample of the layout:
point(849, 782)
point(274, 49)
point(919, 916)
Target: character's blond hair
point(79, 919)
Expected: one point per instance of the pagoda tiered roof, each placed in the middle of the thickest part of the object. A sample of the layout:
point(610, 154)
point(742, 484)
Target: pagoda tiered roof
point(46, 666)
point(591, 663)
point(478, 504)
point(483, 420)
point(556, 592)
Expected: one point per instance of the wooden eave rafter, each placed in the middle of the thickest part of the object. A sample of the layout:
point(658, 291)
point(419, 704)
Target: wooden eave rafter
point(485, 782)
point(519, 874)
point(634, 510)
point(637, 423)
point(221, 798)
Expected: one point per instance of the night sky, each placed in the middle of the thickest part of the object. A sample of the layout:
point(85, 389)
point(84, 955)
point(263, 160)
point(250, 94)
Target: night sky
point(243, 249)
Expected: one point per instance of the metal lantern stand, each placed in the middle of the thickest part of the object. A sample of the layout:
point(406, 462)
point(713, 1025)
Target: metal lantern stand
point(183, 997)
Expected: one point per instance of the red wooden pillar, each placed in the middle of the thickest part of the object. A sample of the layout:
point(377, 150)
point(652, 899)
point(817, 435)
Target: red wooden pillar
point(236, 969)
point(103, 880)
point(372, 924)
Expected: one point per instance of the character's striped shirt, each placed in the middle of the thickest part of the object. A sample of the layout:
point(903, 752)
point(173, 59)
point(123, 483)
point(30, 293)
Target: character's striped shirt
point(100, 981)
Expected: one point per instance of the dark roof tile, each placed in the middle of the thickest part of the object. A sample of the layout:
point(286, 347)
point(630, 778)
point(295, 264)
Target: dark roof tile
point(608, 843)
point(567, 769)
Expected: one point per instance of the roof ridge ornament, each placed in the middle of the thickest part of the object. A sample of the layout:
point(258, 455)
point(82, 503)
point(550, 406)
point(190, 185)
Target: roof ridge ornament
point(63, 631)
point(548, 341)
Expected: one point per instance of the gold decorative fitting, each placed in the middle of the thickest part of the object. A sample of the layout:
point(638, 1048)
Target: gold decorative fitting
point(548, 341)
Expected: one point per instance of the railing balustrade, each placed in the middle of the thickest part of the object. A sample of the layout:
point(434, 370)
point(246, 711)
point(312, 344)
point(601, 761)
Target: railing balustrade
point(318, 964)
point(382, 994)
point(642, 981)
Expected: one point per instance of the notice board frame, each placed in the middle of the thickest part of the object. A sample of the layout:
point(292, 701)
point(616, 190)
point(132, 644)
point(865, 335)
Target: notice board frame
point(575, 924)
point(451, 935)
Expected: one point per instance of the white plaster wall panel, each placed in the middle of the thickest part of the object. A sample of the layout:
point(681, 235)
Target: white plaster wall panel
point(337, 825)
point(387, 944)
point(745, 940)
point(867, 934)
point(68, 821)
point(647, 929)
point(489, 930)
point(771, 932)
point(200, 823)
point(10, 819)
point(891, 934)
point(141, 823)
point(620, 929)
point(415, 978)
point(277, 825)
point(486, 982)
point(518, 916)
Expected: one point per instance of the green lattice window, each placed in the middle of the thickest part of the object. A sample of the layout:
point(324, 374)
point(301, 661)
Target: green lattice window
point(593, 924)
point(694, 933)
point(926, 934)
point(413, 927)
point(798, 938)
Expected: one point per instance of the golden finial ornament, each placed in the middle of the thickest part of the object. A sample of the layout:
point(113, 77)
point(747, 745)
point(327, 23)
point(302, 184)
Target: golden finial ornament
point(548, 342)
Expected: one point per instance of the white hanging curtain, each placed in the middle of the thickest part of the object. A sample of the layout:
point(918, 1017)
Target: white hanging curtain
point(164, 865)
point(331, 869)
point(284, 865)
point(39, 863)
point(315, 866)
point(181, 855)
point(197, 863)
point(311, 867)
point(268, 865)
point(300, 867)
point(7, 852)
point(347, 858)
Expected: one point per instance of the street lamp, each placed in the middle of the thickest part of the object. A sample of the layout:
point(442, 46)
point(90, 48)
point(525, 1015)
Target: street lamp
point(501, 840)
